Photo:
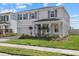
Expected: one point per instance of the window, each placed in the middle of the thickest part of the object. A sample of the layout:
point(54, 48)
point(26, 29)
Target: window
point(56, 28)
point(19, 16)
point(25, 16)
point(33, 15)
point(52, 13)
point(6, 26)
point(6, 18)
point(13, 16)
point(6, 30)
point(2, 18)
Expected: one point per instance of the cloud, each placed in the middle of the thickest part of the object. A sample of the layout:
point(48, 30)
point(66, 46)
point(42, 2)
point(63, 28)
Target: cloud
point(59, 4)
point(74, 16)
point(20, 5)
point(45, 4)
point(7, 10)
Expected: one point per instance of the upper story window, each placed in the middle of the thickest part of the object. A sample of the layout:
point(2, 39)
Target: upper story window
point(33, 15)
point(25, 16)
point(6, 18)
point(1, 18)
point(19, 16)
point(52, 13)
point(13, 16)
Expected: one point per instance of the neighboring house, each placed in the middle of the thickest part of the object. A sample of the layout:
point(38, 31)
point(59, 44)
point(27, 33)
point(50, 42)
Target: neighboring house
point(8, 23)
point(44, 21)
point(37, 22)
point(74, 31)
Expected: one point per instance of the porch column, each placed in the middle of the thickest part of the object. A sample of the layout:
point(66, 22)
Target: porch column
point(50, 28)
point(35, 29)
point(3, 27)
point(41, 30)
point(60, 29)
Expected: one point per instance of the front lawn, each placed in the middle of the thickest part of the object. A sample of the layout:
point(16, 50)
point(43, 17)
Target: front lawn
point(72, 42)
point(27, 52)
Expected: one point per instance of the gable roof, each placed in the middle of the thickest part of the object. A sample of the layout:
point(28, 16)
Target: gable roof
point(41, 8)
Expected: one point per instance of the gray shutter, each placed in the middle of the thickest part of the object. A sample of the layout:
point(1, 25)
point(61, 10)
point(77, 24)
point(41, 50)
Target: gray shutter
point(48, 14)
point(56, 13)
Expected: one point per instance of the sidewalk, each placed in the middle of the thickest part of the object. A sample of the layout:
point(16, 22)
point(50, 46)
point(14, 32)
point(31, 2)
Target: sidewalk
point(64, 51)
point(8, 38)
point(3, 54)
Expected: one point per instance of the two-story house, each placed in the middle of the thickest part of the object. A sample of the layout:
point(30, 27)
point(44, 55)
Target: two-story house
point(8, 23)
point(44, 21)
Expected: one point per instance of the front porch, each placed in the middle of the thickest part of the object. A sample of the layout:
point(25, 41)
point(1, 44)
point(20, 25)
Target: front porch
point(48, 28)
point(4, 28)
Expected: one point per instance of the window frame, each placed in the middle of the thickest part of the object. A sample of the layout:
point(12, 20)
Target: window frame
point(19, 16)
point(52, 13)
point(33, 15)
point(25, 16)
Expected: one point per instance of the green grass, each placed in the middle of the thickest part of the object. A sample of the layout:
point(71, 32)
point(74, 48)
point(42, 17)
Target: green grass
point(27, 52)
point(72, 42)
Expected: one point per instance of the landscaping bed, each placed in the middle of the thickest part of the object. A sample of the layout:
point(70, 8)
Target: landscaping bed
point(71, 42)
point(8, 35)
point(28, 52)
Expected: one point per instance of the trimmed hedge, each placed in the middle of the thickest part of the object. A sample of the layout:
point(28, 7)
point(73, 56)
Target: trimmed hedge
point(49, 37)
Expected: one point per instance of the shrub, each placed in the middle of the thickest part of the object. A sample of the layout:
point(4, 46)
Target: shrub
point(53, 36)
point(24, 36)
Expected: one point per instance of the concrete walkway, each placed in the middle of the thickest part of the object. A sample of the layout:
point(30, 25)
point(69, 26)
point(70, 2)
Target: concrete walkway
point(64, 51)
point(3, 54)
point(8, 38)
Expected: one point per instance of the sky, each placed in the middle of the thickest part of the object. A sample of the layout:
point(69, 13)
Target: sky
point(72, 9)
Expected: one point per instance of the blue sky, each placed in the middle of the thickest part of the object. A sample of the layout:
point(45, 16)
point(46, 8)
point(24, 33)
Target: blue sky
point(72, 9)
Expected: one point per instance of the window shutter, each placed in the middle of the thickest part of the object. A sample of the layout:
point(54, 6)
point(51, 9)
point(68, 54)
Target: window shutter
point(48, 14)
point(55, 13)
point(30, 16)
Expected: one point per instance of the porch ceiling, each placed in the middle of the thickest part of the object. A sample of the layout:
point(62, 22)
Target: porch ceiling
point(51, 19)
point(4, 23)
